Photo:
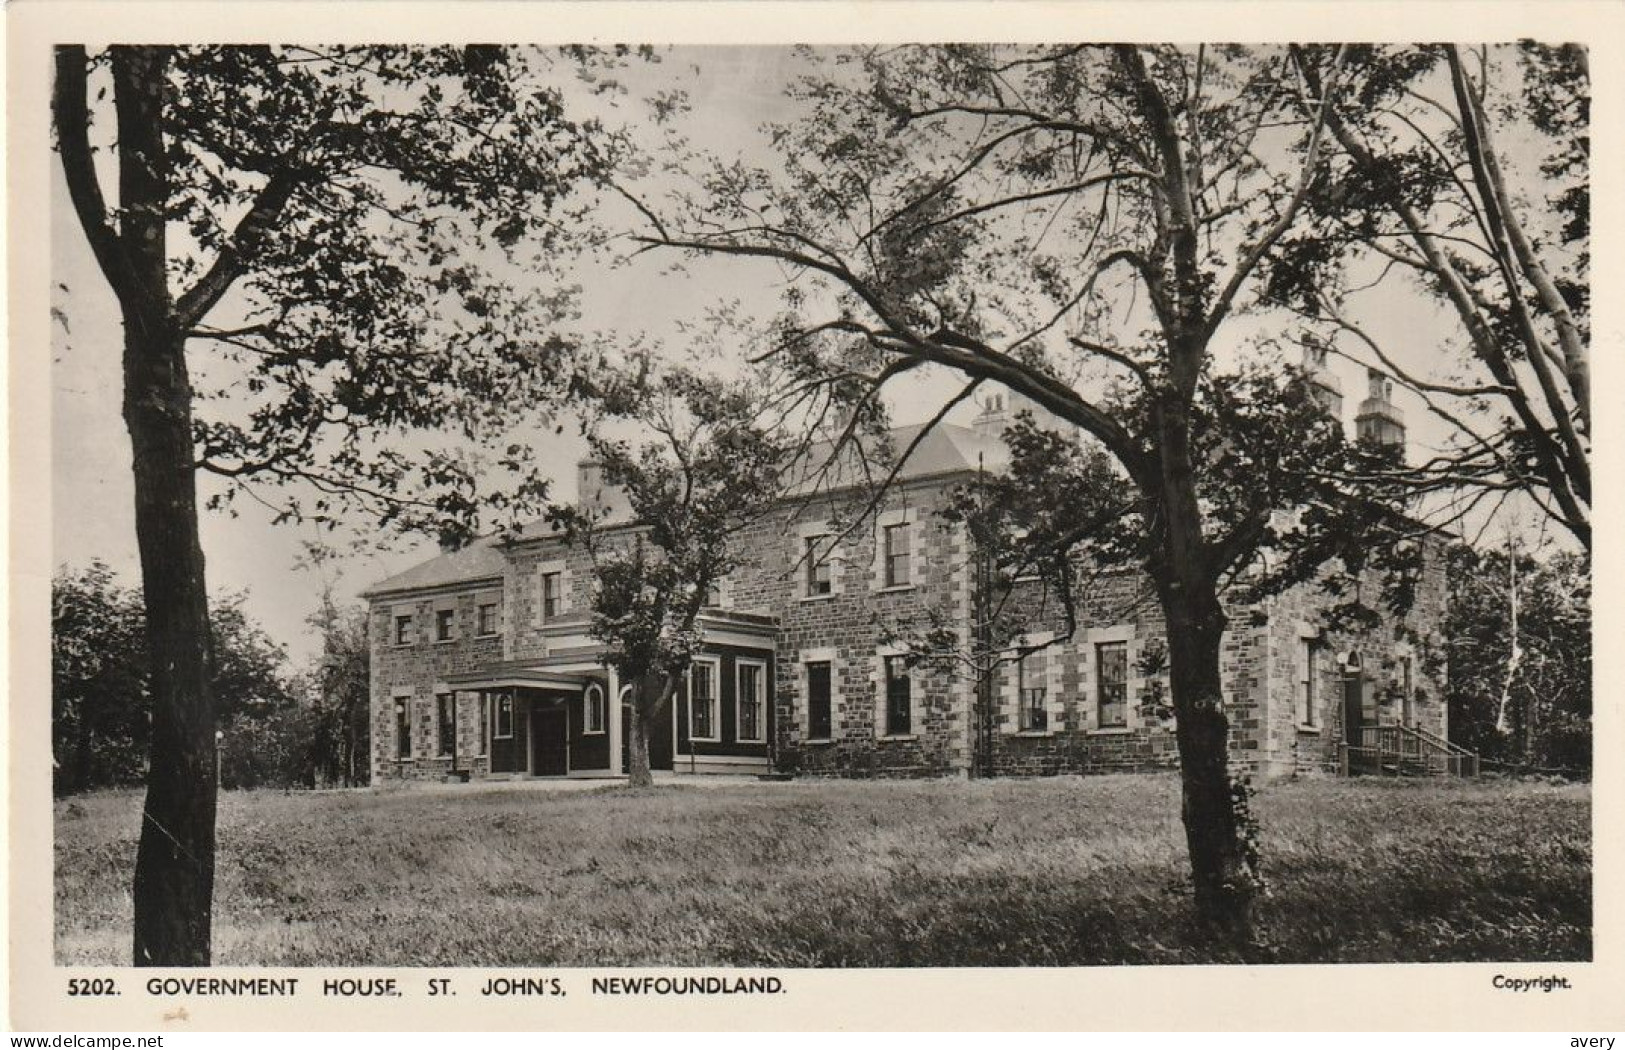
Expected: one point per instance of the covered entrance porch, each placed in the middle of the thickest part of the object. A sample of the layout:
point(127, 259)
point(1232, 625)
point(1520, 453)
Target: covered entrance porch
point(544, 722)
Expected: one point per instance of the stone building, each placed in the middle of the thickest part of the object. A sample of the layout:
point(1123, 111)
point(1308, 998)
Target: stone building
point(482, 664)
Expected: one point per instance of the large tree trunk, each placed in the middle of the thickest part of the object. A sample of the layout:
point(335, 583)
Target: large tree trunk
point(638, 772)
point(1219, 829)
point(649, 699)
point(174, 873)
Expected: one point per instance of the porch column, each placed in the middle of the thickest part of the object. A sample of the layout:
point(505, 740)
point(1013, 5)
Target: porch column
point(612, 714)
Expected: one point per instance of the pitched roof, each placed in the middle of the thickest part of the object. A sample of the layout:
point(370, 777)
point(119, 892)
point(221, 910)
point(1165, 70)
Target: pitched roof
point(479, 560)
point(948, 449)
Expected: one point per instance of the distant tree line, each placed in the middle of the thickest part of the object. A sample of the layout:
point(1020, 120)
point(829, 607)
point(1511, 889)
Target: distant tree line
point(278, 728)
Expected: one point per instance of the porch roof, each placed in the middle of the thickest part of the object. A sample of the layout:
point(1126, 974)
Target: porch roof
point(523, 673)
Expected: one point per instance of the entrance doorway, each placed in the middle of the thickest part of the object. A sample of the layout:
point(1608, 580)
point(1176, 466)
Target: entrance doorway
point(1353, 707)
point(549, 741)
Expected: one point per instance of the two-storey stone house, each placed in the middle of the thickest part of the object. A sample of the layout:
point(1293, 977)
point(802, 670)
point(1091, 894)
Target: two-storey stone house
point(482, 664)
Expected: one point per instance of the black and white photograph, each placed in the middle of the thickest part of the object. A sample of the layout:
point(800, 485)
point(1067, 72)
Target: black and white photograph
point(740, 509)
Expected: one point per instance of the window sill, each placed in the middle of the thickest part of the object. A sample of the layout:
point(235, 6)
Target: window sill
point(818, 597)
point(899, 736)
point(896, 588)
point(486, 634)
point(1035, 733)
point(822, 741)
point(1313, 730)
point(444, 641)
point(705, 740)
point(1111, 731)
point(404, 645)
point(760, 741)
point(592, 732)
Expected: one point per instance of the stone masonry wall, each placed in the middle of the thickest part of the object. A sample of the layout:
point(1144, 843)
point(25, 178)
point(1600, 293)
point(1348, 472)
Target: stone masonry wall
point(415, 673)
point(1261, 657)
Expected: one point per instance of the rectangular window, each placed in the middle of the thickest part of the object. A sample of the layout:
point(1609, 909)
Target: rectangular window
point(1309, 682)
point(748, 695)
point(443, 621)
point(1407, 708)
point(594, 702)
point(403, 630)
point(552, 594)
point(702, 702)
point(1112, 660)
point(897, 549)
point(446, 721)
point(504, 716)
point(819, 722)
point(819, 580)
point(899, 709)
point(713, 595)
point(1032, 690)
point(488, 618)
point(403, 729)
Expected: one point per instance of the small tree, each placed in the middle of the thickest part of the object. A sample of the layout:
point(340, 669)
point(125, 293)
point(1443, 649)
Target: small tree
point(711, 474)
point(340, 712)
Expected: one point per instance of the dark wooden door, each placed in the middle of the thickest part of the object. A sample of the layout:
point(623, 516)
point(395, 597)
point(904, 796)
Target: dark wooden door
point(1353, 708)
point(549, 741)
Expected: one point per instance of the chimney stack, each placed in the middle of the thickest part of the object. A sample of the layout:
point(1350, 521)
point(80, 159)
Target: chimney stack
point(1380, 421)
point(1324, 387)
point(995, 415)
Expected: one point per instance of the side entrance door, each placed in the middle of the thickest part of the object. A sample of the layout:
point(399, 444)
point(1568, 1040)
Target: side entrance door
point(1353, 708)
point(549, 741)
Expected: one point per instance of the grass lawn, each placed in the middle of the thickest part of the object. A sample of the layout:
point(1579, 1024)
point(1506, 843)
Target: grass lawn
point(1070, 871)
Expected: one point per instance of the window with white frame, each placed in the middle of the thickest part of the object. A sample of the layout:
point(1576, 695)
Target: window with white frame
point(445, 624)
point(702, 701)
point(749, 701)
point(403, 628)
point(486, 623)
point(1309, 663)
point(896, 542)
point(552, 594)
point(820, 577)
point(1032, 691)
point(899, 696)
point(593, 703)
point(503, 719)
point(1111, 684)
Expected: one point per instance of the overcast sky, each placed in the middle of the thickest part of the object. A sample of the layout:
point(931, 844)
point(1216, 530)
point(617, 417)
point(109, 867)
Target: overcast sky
point(733, 90)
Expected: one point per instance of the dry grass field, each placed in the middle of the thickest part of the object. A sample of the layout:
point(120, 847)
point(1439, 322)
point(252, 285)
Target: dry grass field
point(1063, 872)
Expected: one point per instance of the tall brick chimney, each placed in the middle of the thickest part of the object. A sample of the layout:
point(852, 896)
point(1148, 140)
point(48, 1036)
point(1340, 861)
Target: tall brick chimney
point(1324, 386)
point(1379, 420)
